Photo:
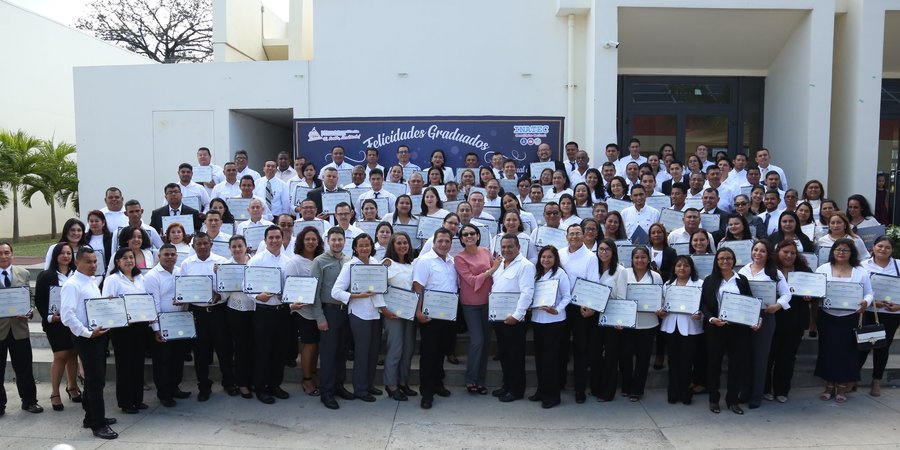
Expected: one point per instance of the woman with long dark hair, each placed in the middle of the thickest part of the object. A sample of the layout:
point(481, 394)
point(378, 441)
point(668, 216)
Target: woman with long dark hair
point(549, 323)
point(882, 263)
point(73, 233)
point(860, 213)
point(637, 342)
point(308, 246)
point(98, 235)
point(606, 342)
point(683, 333)
point(400, 334)
point(789, 229)
point(239, 319)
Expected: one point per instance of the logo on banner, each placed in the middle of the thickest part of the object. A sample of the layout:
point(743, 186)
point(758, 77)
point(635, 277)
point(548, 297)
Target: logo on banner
point(333, 135)
point(531, 134)
point(530, 141)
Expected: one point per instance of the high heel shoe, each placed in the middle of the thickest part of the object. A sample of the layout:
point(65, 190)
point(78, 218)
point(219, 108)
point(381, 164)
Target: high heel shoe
point(56, 406)
point(76, 398)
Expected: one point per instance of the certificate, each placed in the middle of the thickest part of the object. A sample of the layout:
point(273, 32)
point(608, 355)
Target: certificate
point(238, 207)
point(397, 189)
point(843, 295)
point(822, 255)
point(764, 290)
point(502, 305)
point(508, 185)
point(193, 201)
point(486, 238)
point(538, 167)
point(300, 290)
point(186, 220)
point(319, 225)
point(416, 200)
point(455, 247)
point(300, 193)
point(368, 227)
point(493, 211)
point(695, 203)
point(427, 226)
point(401, 302)
point(659, 202)
point(227, 228)
point(524, 244)
point(180, 257)
point(259, 279)
point(371, 278)
point(682, 299)
point(383, 205)
point(536, 210)
point(410, 231)
point(202, 174)
point(101, 263)
point(681, 248)
point(619, 313)
point(55, 299)
point(440, 305)
point(703, 264)
point(449, 205)
point(647, 296)
point(15, 301)
point(885, 287)
point(809, 284)
point(710, 222)
point(230, 278)
point(545, 293)
point(614, 204)
point(140, 307)
point(106, 312)
point(740, 309)
point(590, 294)
point(345, 176)
point(330, 200)
point(254, 235)
point(812, 260)
point(671, 219)
point(624, 250)
point(356, 192)
point(584, 211)
point(221, 248)
point(193, 288)
point(741, 250)
point(550, 236)
point(869, 234)
point(177, 325)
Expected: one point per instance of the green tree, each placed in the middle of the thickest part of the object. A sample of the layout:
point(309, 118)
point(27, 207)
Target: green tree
point(55, 179)
point(19, 158)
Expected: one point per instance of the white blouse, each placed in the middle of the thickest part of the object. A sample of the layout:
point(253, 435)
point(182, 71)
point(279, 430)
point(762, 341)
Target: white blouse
point(682, 323)
point(645, 320)
point(563, 298)
point(365, 308)
point(892, 269)
point(858, 275)
point(783, 291)
point(238, 301)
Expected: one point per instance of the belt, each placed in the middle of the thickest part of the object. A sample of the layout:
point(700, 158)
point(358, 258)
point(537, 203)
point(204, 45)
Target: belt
point(271, 307)
point(208, 309)
point(339, 306)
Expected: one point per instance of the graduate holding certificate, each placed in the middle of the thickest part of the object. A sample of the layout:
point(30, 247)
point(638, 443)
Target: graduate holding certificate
point(605, 343)
point(886, 288)
point(549, 324)
point(400, 332)
point(683, 325)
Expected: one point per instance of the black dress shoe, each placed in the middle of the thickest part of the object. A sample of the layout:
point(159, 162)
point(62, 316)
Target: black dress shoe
point(130, 410)
point(397, 395)
point(442, 392)
point(426, 403)
point(753, 405)
point(107, 421)
point(736, 409)
point(580, 397)
point(33, 408)
point(203, 396)
point(351, 355)
point(181, 394)
point(280, 393)
point(232, 391)
point(499, 392)
point(714, 407)
point(548, 405)
point(406, 390)
point(141, 406)
point(329, 402)
point(536, 397)
point(375, 391)
point(367, 397)
point(168, 403)
point(291, 363)
point(2, 411)
point(265, 397)
point(343, 393)
point(249, 394)
point(509, 397)
point(105, 432)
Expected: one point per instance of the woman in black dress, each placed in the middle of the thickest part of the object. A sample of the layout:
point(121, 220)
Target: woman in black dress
point(62, 266)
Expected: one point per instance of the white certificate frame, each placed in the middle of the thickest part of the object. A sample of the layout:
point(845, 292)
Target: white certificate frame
point(410, 231)
point(319, 225)
point(537, 167)
point(15, 301)
point(436, 304)
point(614, 204)
point(221, 248)
point(649, 297)
point(659, 202)
point(741, 250)
point(550, 236)
point(740, 309)
point(54, 303)
point(704, 264)
point(682, 299)
point(230, 278)
point(105, 313)
point(710, 222)
point(590, 294)
point(765, 290)
point(807, 284)
point(238, 207)
point(177, 325)
point(886, 287)
point(401, 302)
point(254, 235)
point(427, 226)
point(671, 219)
point(374, 279)
point(502, 305)
point(188, 288)
point(545, 293)
point(619, 313)
point(330, 200)
point(271, 277)
point(843, 295)
point(140, 308)
point(300, 289)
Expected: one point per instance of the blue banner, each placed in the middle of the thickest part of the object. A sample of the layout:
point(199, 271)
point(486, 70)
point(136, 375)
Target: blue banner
point(513, 136)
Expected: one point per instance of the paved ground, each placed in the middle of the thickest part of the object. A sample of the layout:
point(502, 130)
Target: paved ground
point(462, 421)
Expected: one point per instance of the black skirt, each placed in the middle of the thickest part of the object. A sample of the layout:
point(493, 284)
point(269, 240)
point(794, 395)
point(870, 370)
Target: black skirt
point(59, 337)
point(838, 356)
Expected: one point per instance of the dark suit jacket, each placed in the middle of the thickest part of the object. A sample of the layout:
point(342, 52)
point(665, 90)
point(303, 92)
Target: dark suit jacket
point(18, 327)
point(667, 185)
point(668, 263)
point(719, 234)
point(45, 280)
point(316, 196)
point(159, 213)
point(709, 300)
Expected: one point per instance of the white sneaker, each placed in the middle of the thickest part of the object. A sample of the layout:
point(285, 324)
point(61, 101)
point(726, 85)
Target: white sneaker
point(768, 397)
point(781, 399)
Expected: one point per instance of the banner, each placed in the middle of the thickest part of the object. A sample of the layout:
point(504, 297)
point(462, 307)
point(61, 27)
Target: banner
point(514, 137)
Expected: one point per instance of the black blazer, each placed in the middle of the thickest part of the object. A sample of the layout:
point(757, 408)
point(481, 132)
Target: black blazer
point(667, 185)
point(316, 196)
point(719, 234)
point(42, 285)
point(797, 317)
point(709, 300)
point(159, 213)
point(668, 264)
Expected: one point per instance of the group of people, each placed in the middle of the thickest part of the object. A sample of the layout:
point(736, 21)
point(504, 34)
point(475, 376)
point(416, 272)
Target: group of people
point(474, 233)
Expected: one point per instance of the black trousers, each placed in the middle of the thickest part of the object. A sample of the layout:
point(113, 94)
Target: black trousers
point(701, 362)
point(431, 361)
point(511, 342)
point(92, 353)
point(606, 350)
point(637, 346)
point(782, 357)
point(212, 336)
point(168, 366)
point(240, 326)
point(733, 340)
point(579, 328)
point(270, 340)
point(548, 340)
point(890, 322)
point(292, 350)
point(20, 354)
point(130, 345)
point(333, 347)
point(680, 351)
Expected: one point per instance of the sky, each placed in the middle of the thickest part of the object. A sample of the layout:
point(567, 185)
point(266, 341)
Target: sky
point(67, 12)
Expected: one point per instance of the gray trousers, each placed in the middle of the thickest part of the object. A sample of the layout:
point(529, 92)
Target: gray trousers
point(761, 341)
point(366, 342)
point(479, 333)
point(400, 339)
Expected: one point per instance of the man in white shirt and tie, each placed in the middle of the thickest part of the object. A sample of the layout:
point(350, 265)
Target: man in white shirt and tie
point(115, 215)
point(571, 161)
point(229, 187)
point(191, 189)
point(337, 161)
point(272, 190)
point(639, 214)
point(376, 181)
point(284, 171)
point(240, 162)
point(772, 215)
point(763, 160)
point(90, 343)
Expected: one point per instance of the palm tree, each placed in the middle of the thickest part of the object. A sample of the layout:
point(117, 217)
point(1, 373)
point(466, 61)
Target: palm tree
point(18, 160)
point(55, 178)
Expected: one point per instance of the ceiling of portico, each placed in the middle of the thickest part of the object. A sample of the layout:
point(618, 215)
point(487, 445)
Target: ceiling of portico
point(892, 42)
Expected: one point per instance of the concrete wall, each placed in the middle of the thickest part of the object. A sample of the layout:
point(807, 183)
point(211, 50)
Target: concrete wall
point(38, 93)
point(260, 138)
point(238, 30)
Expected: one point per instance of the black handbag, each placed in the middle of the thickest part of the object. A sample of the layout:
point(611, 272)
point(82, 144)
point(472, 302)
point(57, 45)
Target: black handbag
point(870, 336)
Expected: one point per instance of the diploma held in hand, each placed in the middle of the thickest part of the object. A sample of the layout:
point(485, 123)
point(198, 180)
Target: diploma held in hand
point(843, 295)
point(619, 313)
point(401, 302)
point(808, 284)
point(193, 289)
point(740, 309)
point(765, 291)
point(259, 279)
point(544, 293)
point(140, 307)
point(647, 296)
point(440, 305)
point(502, 305)
point(590, 294)
point(230, 278)
point(682, 299)
point(885, 287)
point(300, 290)
point(106, 312)
point(177, 325)
point(15, 301)
point(371, 278)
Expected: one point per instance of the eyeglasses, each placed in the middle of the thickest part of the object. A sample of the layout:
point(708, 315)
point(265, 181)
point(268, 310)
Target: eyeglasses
point(740, 204)
point(603, 250)
point(471, 233)
point(842, 250)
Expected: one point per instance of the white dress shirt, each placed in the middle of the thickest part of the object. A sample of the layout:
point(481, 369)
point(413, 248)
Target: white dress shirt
point(281, 199)
point(516, 276)
point(783, 184)
point(782, 290)
point(645, 320)
point(117, 284)
point(193, 265)
point(265, 258)
point(160, 283)
point(381, 194)
point(194, 190)
point(74, 292)
point(286, 174)
point(435, 273)
point(364, 308)
point(633, 218)
point(115, 219)
point(892, 269)
point(828, 241)
point(343, 166)
point(242, 227)
point(682, 323)
point(248, 171)
point(580, 264)
point(563, 298)
point(858, 275)
point(226, 190)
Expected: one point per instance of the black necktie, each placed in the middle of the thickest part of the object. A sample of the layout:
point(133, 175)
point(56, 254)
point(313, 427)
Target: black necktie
point(376, 194)
point(573, 165)
point(6, 281)
point(766, 223)
point(174, 212)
